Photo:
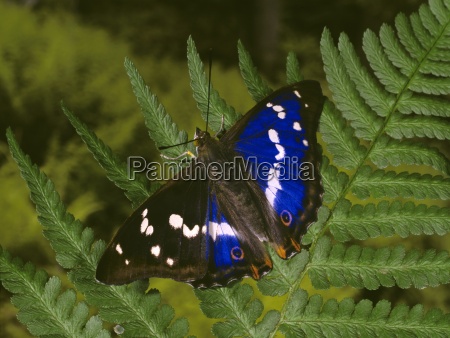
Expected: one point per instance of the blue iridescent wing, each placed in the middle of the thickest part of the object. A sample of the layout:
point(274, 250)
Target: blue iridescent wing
point(278, 139)
point(231, 255)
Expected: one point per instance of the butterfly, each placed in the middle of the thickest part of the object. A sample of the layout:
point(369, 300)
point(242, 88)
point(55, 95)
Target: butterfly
point(207, 225)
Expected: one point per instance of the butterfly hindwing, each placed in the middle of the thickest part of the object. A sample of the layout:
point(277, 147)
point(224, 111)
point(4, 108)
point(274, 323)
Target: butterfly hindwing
point(232, 254)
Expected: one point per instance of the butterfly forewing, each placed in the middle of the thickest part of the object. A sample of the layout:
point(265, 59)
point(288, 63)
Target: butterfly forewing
point(164, 237)
point(278, 139)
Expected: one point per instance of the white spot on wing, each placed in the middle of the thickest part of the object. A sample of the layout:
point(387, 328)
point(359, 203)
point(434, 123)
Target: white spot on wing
point(204, 229)
point(305, 143)
point(190, 233)
point(144, 213)
point(169, 261)
point(225, 229)
point(273, 135)
point(155, 250)
point(278, 108)
point(282, 115)
point(149, 230)
point(269, 104)
point(273, 185)
point(176, 221)
point(144, 224)
point(119, 249)
point(297, 126)
point(306, 105)
point(127, 261)
point(281, 152)
point(213, 229)
point(297, 93)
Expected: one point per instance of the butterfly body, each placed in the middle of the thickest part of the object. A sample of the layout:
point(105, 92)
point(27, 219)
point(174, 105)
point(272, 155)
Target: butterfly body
point(208, 224)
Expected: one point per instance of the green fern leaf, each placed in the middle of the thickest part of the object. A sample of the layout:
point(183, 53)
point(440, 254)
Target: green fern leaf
point(293, 73)
point(256, 86)
point(396, 55)
point(346, 97)
point(334, 182)
point(315, 230)
point(341, 142)
point(313, 318)
point(135, 190)
point(408, 38)
point(199, 83)
point(161, 129)
point(386, 219)
point(380, 184)
point(418, 126)
point(371, 268)
point(43, 307)
point(431, 22)
point(392, 152)
point(75, 249)
point(284, 274)
point(388, 75)
point(423, 105)
point(69, 247)
point(235, 305)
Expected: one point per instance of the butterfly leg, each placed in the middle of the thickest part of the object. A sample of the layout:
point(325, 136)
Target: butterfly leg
point(186, 153)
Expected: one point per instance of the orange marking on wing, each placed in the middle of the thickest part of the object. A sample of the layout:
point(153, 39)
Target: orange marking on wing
point(281, 252)
point(295, 244)
point(255, 272)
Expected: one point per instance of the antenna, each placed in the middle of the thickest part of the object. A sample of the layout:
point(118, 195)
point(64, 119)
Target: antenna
point(209, 88)
point(175, 145)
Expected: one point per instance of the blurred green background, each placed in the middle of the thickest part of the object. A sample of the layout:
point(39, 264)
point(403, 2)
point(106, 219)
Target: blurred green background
point(73, 50)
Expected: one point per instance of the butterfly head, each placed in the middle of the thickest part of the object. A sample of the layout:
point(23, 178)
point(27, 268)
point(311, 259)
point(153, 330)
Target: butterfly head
point(200, 137)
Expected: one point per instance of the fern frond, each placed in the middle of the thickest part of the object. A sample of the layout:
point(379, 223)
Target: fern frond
point(418, 126)
point(388, 151)
point(394, 51)
point(293, 73)
point(379, 183)
point(234, 304)
point(430, 21)
point(43, 307)
point(284, 274)
point(346, 97)
point(386, 219)
point(341, 142)
point(315, 230)
point(359, 267)
point(407, 37)
point(136, 190)
point(314, 318)
point(161, 128)
point(199, 84)
point(75, 249)
point(334, 182)
point(423, 105)
point(257, 87)
point(72, 243)
point(379, 100)
point(392, 79)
